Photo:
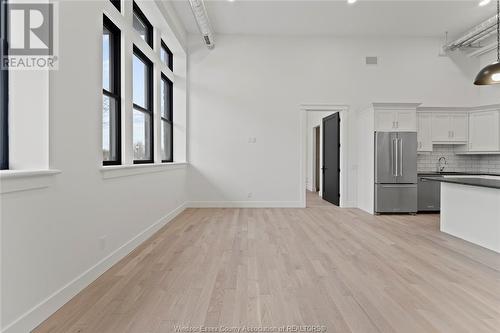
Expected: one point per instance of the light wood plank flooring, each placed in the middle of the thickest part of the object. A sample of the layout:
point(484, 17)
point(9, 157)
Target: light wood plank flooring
point(341, 268)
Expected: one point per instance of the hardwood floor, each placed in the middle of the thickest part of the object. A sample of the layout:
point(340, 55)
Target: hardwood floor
point(341, 268)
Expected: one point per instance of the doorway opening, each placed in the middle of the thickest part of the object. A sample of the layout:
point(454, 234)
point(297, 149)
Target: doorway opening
point(323, 157)
point(317, 153)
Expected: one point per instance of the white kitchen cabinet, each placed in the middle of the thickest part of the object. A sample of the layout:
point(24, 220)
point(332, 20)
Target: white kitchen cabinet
point(385, 120)
point(484, 127)
point(395, 120)
point(460, 127)
point(424, 132)
point(450, 128)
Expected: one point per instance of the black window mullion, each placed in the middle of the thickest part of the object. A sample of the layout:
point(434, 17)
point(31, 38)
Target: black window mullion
point(149, 28)
point(167, 117)
point(4, 90)
point(170, 63)
point(149, 102)
point(114, 94)
point(117, 4)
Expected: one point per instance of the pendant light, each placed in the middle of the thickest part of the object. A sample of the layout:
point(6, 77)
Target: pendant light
point(491, 73)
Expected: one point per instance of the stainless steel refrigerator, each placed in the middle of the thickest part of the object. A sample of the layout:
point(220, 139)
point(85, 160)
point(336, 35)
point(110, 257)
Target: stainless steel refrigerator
point(395, 172)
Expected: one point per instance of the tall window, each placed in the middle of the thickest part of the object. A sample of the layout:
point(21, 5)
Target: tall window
point(4, 91)
point(166, 120)
point(111, 100)
point(143, 108)
point(117, 4)
point(166, 56)
point(142, 25)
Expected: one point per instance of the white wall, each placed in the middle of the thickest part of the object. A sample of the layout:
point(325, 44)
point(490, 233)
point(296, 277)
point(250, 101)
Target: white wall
point(51, 237)
point(252, 86)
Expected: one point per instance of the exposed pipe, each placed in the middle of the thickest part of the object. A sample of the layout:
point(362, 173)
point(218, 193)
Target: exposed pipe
point(201, 18)
point(479, 32)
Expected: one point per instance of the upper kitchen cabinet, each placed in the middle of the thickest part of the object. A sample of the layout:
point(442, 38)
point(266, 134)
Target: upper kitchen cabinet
point(484, 131)
point(450, 128)
point(424, 132)
point(395, 117)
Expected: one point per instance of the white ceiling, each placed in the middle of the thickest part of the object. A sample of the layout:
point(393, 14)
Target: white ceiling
point(337, 18)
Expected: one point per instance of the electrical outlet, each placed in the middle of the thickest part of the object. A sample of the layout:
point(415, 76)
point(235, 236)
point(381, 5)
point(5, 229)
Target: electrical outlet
point(249, 195)
point(103, 242)
point(252, 140)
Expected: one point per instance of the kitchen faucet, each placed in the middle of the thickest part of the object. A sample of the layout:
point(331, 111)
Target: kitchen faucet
point(441, 164)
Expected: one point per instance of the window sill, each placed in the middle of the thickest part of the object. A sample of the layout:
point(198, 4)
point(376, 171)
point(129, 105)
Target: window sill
point(115, 171)
point(24, 180)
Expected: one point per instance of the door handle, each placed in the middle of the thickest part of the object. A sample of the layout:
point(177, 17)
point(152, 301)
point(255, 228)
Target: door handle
point(396, 157)
point(400, 155)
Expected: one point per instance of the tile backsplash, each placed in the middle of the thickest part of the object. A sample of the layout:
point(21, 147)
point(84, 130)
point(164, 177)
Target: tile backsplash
point(462, 163)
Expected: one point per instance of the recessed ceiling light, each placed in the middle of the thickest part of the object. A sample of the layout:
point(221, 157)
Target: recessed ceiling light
point(483, 3)
point(353, 1)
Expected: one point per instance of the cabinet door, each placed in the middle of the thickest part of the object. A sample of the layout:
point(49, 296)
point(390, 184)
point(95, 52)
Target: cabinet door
point(484, 131)
point(441, 128)
point(406, 121)
point(424, 132)
point(385, 121)
point(459, 127)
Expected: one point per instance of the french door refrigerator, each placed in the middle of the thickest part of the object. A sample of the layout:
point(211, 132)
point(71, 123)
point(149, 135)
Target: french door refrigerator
point(395, 172)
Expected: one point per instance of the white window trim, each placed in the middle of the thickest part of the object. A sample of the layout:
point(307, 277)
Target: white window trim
point(24, 180)
point(116, 171)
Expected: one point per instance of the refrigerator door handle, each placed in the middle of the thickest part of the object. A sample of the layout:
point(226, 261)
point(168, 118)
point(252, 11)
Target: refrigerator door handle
point(394, 158)
point(400, 154)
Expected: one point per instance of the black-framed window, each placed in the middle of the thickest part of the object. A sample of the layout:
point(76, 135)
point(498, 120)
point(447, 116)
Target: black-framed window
point(117, 4)
point(142, 25)
point(167, 129)
point(166, 56)
point(142, 136)
point(111, 96)
point(4, 90)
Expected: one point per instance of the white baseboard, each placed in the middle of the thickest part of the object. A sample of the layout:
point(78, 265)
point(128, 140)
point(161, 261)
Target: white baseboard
point(349, 204)
point(246, 204)
point(51, 304)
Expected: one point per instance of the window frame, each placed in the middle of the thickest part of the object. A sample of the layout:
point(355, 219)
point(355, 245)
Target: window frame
point(149, 35)
point(165, 48)
point(149, 102)
point(170, 110)
point(4, 84)
point(115, 86)
point(117, 4)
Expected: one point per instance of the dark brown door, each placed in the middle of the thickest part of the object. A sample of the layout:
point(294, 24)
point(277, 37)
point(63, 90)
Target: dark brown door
point(331, 159)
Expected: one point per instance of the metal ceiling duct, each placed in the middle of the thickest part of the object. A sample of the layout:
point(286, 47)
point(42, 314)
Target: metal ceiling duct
point(201, 17)
point(475, 35)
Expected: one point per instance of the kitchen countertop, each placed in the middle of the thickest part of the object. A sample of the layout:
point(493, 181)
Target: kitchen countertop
point(451, 173)
point(473, 180)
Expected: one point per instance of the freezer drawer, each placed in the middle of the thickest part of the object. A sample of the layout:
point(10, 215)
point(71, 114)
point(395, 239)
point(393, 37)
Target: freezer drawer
point(396, 198)
point(429, 195)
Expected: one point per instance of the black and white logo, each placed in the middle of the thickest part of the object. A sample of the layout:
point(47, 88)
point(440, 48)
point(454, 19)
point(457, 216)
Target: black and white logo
point(31, 30)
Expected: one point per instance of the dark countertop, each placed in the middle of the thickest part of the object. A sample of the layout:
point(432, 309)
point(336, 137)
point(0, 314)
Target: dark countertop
point(481, 182)
point(451, 173)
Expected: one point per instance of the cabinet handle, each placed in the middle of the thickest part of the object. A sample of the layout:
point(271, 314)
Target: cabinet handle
point(397, 124)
